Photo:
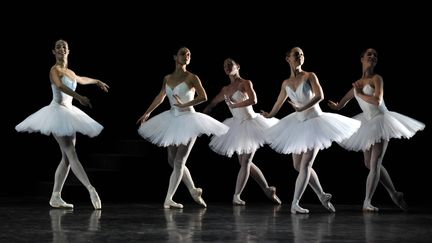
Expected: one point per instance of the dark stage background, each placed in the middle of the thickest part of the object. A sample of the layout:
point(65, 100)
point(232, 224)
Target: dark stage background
point(132, 51)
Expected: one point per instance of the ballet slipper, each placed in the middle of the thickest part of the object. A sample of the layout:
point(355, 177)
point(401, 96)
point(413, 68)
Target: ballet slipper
point(171, 204)
point(368, 208)
point(57, 202)
point(237, 201)
point(325, 201)
point(398, 199)
point(196, 195)
point(97, 204)
point(271, 193)
point(295, 208)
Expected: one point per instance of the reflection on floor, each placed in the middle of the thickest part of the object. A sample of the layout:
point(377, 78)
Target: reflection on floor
point(149, 222)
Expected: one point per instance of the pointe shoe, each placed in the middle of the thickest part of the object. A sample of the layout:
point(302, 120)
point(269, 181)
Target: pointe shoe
point(325, 201)
point(97, 204)
point(196, 195)
point(57, 202)
point(370, 209)
point(271, 193)
point(295, 208)
point(398, 199)
point(237, 201)
point(172, 204)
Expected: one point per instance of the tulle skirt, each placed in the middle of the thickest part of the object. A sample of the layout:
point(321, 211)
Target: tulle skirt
point(167, 128)
point(381, 127)
point(292, 134)
point(60, 120)
point(243, 136)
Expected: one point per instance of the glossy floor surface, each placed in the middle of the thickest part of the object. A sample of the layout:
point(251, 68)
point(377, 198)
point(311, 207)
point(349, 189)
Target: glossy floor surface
point(220, 222)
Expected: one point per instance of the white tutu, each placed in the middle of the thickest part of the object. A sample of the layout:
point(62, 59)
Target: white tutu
point(310, 129)
point(60, 117)
point(377, 123)
point(381, 127)
point(179, 125)
point(60, 120)
point(171, 128)
point(294, 135)
point(243, 136)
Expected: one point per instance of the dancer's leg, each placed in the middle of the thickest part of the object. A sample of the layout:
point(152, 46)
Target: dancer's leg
point(187, 178)
point(302, 181)
point(67, 145)
point(181, 154)
point(242, 177)
point(373, 160)
point(258, 176)
point(60, 176)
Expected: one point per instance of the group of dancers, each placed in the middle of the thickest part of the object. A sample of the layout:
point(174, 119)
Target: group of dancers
point(301, 133)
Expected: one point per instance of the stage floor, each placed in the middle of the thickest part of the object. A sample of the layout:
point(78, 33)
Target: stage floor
point(220, 222)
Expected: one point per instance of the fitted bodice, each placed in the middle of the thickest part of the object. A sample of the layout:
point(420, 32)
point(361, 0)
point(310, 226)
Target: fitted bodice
point(60, 97)
point(300, 97)
point(185, 94)
point(368, 109)
point(244, 112)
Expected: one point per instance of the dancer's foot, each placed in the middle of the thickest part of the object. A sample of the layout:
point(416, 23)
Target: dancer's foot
point(94, 197)
point(57, 202)
point(271, 193)
point(295, 208)
point(398, 199)
point(325, 201)
point(172, 204)
point(196, 195)
point(367, 207)
point(237, 201)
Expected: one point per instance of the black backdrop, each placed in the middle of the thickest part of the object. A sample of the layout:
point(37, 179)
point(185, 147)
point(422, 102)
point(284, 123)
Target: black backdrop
point(130, 48)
